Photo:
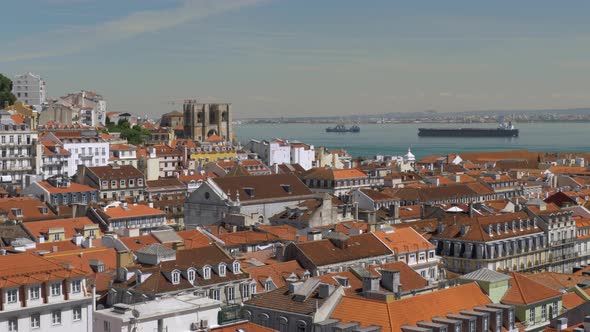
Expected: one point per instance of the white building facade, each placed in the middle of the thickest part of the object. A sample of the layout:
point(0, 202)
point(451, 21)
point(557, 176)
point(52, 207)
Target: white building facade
point(86, 147)
point(30, 88)
point(303, 154)
point(48, 297)
point(17, 149)
point(180, 313)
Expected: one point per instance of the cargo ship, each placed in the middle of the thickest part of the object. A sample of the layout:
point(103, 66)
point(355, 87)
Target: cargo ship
point(504, 130)
point(342, 129)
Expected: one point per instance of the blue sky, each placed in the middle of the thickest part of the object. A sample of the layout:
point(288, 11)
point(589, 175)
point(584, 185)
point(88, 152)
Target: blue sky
point(305, 57)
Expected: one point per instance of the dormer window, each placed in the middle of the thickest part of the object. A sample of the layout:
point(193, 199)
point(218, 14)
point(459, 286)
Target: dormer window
point(249, 191)
point(175, 277)
point(268, 285)
point(207, 272)
point(17, 212)
point(191, 275)
point(236, 267)
point(222, 270)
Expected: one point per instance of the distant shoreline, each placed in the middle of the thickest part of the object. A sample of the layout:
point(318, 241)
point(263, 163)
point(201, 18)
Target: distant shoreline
point(256, 122)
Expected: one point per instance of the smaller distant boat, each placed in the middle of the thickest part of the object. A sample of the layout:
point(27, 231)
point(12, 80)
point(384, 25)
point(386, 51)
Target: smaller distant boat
point(343, 129)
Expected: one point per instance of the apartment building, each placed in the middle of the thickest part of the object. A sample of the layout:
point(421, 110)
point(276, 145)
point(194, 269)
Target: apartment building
point(30, 88)
point(41, 295)
point(337, 182)
point(60, 190)
point(53, 159)
point(17, 149)
point(252, 199)
point(114, 182)
point(123, 154)
point(86, 147)
point(507, 242)
point(161, 271)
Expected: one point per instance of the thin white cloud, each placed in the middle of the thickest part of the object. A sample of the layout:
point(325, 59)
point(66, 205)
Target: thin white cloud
point(77, 38)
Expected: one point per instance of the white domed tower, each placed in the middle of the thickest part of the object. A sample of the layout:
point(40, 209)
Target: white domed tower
point(410, 159)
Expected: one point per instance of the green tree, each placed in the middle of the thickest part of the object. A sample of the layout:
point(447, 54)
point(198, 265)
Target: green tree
point(6, 95)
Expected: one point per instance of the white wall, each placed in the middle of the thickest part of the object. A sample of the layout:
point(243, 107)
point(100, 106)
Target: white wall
point(303, 157)
point(98, 158)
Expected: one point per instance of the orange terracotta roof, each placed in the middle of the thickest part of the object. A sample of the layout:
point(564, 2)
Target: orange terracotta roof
point(569, 170)
point(73, 188)
point(194, 239)
point(56, 246)
point(139, 210)
point(80, 258)
point(266, 257)
point(571, 300)
point(122, 147)
point(243, 326)
point(107, 137)
point(246, 238)
point(355, 284)
point(403, 240)
point(17, 118)
point(71, 226)
point(277, 272)
point(135, 243)
point(31, 208)
point(214, 139)
point(196, 177)
point(282, 232)
point(524, 290)
point(322, 173)
point(409, 279)
point(184, 142)
point(32, 269)
point(395, 314)
point(558, 281)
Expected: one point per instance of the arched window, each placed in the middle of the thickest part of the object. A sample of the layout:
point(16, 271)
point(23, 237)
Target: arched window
point(175, 277)
point(264, 320)
point(191, 275)
point(236, 267)
point(283, 324)
point(207, 272)
point(221, 269)
point(301, 326)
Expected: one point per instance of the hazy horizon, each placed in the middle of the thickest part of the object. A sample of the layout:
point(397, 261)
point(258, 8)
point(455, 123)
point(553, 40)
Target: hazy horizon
point(305, 58)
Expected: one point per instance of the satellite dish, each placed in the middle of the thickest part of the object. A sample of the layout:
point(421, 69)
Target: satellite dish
point(135, 313)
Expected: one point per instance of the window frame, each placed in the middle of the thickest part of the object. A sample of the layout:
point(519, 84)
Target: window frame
point(35, 321)
point(76, 286)
point(52, 288)
point(12, 296)
point(12, 324)
point(34, 290)
point(77, 314)
point(56, 314)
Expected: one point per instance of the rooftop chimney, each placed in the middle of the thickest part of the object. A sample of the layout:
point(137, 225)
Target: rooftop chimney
point(325, 290)
point(370, 283)
point(390, 280)
point(294, 286)
point(77, 239)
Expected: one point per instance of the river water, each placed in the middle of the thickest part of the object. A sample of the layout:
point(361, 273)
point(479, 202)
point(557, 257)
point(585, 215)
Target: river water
point(394, 139)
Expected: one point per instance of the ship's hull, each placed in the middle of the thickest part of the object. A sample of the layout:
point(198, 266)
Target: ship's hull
point(467, 132)
point(333, 130)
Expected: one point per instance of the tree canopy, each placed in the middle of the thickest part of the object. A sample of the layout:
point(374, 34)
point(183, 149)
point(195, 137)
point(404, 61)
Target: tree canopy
point(6, 91)
point(135, 135)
